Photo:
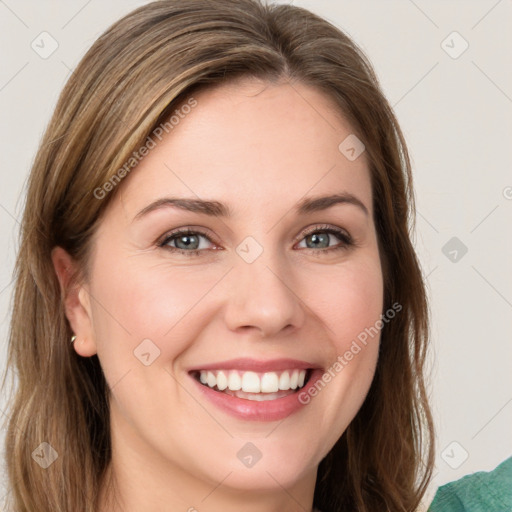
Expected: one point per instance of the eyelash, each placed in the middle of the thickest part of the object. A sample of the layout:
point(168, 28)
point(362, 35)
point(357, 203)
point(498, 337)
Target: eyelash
point(346, 240)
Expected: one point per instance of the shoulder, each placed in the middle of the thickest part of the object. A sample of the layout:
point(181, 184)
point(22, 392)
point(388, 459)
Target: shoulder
point(484, 491)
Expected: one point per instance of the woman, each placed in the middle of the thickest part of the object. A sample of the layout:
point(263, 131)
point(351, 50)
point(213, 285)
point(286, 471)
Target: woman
point(218, 219)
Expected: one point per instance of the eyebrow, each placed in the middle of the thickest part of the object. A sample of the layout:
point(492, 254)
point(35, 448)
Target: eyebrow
point(218, 209)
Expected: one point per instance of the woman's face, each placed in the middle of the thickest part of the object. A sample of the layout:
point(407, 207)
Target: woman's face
point(261, 288)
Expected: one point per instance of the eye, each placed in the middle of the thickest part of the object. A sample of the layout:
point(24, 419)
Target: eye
point(185, 241)
point(321, 237)
point(192, 242)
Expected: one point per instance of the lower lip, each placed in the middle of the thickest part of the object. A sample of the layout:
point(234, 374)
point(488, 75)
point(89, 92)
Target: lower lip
point(252, 410)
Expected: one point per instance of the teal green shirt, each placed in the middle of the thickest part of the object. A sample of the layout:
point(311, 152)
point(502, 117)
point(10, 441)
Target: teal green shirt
point(479, 492)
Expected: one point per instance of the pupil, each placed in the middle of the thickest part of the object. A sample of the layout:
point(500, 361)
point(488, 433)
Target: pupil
point(323, 238)
point(189, 241)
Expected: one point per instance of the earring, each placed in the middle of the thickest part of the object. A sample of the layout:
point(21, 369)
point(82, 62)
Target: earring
point(73, 338)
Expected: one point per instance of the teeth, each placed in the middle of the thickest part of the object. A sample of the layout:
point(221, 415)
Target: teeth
point(234, 381)
point(211, 379)
point(284, 381)
point(269, 383)
point(294, 379)
point(222, 381)
point(252, 382)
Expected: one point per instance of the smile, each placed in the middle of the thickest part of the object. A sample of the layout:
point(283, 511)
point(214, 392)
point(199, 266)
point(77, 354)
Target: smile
point(255, 390)
point(251, 385)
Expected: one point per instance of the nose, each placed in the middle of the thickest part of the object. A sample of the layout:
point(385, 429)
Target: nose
point(262, 298)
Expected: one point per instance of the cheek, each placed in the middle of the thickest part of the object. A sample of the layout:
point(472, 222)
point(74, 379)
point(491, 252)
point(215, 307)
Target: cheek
point(347, 300)
point(136, 301)
point(350, 303)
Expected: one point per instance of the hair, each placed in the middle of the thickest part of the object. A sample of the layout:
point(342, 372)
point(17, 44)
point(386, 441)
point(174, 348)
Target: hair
point(130, 81)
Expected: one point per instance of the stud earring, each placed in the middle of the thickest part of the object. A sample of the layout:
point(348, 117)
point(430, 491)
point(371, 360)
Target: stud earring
point(73, 338)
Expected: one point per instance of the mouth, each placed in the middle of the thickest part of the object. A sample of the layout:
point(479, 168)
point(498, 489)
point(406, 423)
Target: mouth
point(256, 390)
point(255, 386)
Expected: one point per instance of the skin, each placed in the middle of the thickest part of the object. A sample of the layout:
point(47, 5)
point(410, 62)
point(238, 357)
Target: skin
point(259, 148)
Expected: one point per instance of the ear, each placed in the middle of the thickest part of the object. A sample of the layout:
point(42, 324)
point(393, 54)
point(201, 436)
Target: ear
point(77, 304)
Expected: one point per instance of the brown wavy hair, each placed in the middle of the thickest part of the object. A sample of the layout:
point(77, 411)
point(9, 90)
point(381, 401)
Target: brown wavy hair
point(131, 79)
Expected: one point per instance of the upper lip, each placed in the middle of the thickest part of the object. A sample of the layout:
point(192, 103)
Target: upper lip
point(257, 365)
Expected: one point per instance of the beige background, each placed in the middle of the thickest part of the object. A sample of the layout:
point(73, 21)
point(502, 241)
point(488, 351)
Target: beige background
point(456, 114)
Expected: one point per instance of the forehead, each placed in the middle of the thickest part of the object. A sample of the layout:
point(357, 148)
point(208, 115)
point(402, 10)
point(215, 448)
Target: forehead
point(251, 144)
